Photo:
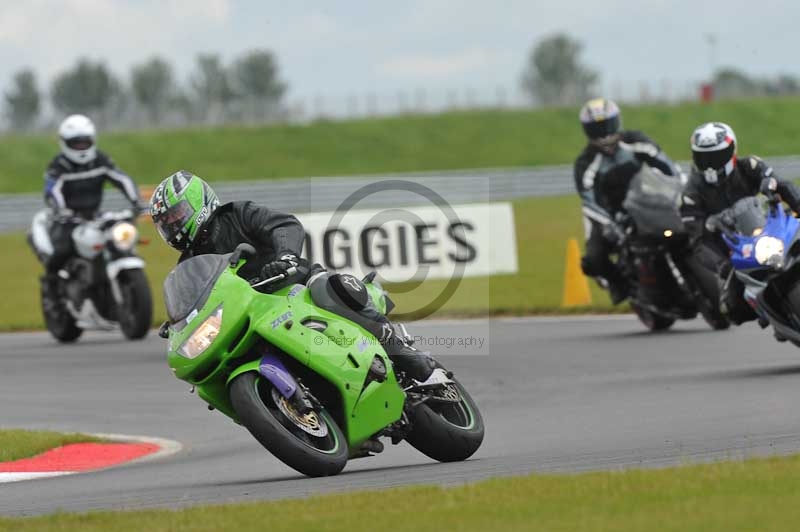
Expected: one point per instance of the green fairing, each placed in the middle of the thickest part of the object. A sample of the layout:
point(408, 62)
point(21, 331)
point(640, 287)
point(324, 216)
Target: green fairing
point(342, 354)
point(378, 296)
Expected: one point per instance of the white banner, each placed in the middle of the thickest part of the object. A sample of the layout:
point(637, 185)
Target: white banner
point(415, 243)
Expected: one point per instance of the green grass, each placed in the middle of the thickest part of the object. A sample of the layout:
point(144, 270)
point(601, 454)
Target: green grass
point(16, 444)
point(408, 143)
point(543, 227)
point(761, 495)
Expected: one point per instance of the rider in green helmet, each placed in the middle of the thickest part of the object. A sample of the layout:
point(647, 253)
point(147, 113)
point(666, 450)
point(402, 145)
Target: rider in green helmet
point(179, 206)
point(189, 217)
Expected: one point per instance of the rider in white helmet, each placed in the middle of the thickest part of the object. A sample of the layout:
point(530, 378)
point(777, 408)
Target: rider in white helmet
point(74, 182)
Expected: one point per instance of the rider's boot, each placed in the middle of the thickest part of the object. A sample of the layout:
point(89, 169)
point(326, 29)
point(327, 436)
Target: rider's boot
point(617, 286)
point(416, 364)
point(618, 292)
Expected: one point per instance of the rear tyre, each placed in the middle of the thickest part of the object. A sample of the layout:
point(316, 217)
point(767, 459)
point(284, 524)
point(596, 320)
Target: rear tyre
point(57, 319)
point(136, 313)
point(651, 320)
point(447, 432)
point(312, 444)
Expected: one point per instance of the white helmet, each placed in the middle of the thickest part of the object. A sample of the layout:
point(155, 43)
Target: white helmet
point(714, 151)
point(76, 136)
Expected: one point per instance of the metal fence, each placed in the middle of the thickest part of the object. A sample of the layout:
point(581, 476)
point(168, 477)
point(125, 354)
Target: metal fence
point(328, 193)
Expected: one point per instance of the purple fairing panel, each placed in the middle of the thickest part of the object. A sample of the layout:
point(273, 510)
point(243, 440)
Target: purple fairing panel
point(275, 372)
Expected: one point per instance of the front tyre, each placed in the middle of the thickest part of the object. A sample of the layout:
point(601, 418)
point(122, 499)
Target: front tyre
point(312, 444)
point(447, 431)
point(651, 320)
point(57, 319)
point(136, 312)
point(713, 317)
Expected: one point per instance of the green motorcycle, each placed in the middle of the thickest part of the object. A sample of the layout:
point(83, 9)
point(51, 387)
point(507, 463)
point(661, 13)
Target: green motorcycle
point(314, 388)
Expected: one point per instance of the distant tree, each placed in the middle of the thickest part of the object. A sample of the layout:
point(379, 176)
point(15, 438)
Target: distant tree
point(732, 83)
point(256, 81)
point(153, 87)
point(23, 101)
point(88, 88)
point(783, 84)
point(213, 89)
point(554, 73)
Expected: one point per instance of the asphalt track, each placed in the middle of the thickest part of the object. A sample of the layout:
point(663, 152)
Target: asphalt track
point(557, 394)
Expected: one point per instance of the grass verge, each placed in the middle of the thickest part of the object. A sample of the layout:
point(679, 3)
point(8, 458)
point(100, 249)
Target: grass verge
point(16, 444)
point(543, 226)
point(757, 494)
point(452, 140)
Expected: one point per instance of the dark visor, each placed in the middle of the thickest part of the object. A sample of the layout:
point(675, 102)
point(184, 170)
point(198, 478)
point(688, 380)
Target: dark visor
point(712, 159)
point(171, 222)
point(80, 143)
point(602, 128)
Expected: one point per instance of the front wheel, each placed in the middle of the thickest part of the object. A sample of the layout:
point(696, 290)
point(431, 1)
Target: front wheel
point(136, 312)
point(651, 320)
point(312, 444)
point(707, 297)
point(448, 427)
point(714, 318)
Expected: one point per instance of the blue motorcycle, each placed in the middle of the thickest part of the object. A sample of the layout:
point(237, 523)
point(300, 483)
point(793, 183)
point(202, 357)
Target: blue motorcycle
point(762, 236)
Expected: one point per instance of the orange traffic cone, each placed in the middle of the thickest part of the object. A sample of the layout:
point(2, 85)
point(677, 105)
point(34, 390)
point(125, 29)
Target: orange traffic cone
point(576, 286)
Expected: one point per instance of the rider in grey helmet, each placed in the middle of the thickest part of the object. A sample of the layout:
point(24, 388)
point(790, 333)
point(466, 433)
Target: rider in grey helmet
point(603, 171)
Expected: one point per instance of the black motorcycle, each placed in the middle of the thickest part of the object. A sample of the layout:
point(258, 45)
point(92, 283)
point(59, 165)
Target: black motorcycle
point(655, 256)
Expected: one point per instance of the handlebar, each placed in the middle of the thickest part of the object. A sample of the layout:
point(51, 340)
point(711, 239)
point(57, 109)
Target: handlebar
point(291, 271)
point(69, 215)
point(724, 223)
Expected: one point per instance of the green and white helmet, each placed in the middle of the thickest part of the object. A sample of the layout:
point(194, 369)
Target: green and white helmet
point(179, 206)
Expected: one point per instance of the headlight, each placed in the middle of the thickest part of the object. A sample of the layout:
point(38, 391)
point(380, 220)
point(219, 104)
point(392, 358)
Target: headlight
point(203, 336)
point(769, 250)
point(124, 235)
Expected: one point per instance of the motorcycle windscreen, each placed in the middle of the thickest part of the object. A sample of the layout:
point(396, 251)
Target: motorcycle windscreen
point(653, 202)
point(188, 286)
point(749, 215)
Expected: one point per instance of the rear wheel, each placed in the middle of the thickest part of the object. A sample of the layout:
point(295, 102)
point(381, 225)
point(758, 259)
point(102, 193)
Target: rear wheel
point(447, 429)
point(312, 444)
point(136, 312)
point(651, 320)
point(57, 319)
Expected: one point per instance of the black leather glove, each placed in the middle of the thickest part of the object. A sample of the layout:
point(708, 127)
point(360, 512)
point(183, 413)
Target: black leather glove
point(769, 185)
point(139, 208)
point(720, 222)
point(280, 266)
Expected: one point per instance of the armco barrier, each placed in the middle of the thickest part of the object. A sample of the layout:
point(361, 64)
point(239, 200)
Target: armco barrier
point(327, 193)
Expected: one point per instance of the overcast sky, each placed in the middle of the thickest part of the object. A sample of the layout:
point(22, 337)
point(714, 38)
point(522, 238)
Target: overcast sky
point(355, 46)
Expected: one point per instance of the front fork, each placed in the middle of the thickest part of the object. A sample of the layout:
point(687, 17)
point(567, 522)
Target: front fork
point(115, 266)
point(676, 273)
